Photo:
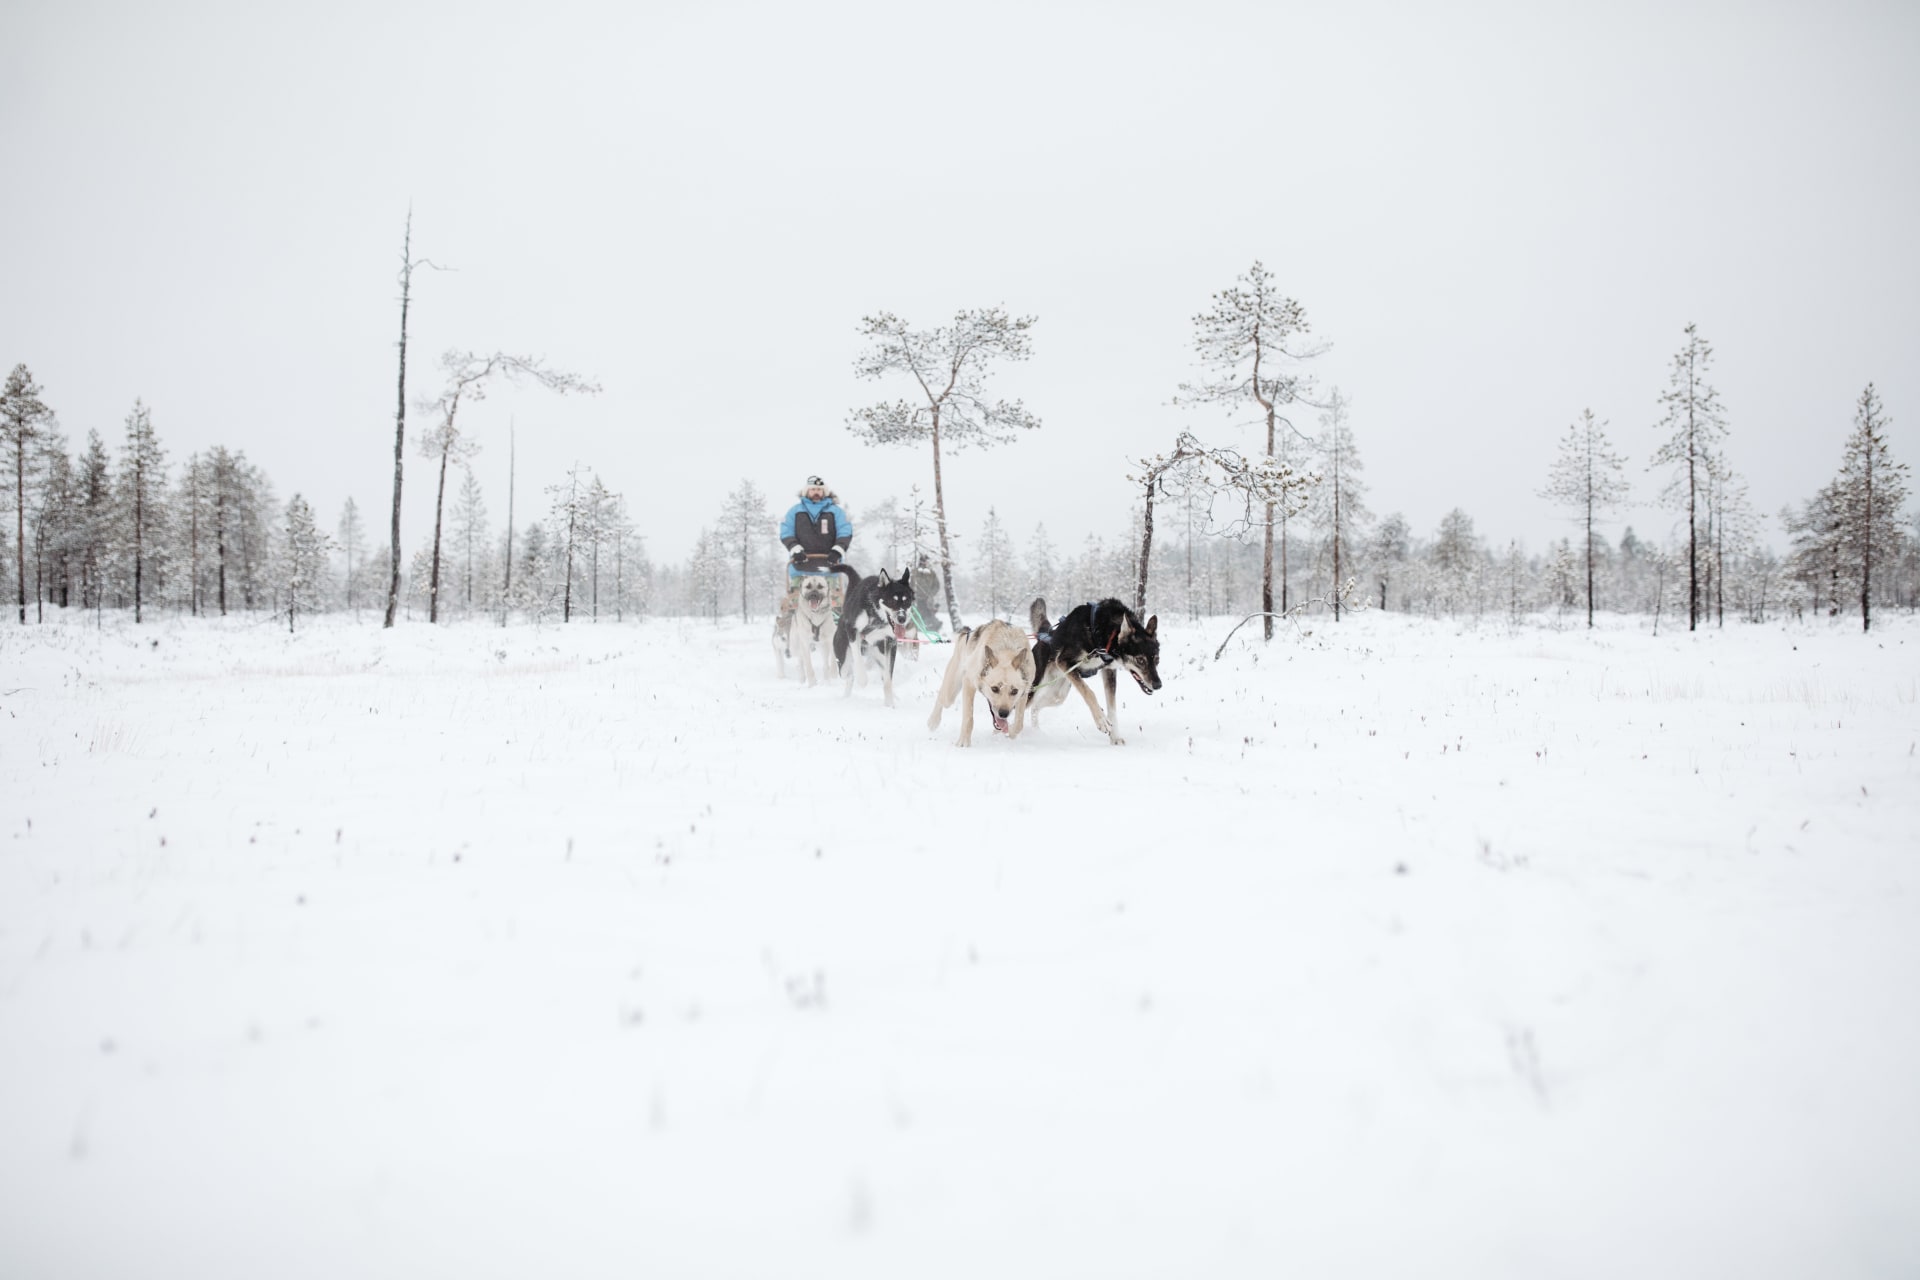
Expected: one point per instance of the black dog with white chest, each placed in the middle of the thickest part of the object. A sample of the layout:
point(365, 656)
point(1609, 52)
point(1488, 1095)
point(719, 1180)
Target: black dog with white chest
point(1100, 636)
point(876, 619)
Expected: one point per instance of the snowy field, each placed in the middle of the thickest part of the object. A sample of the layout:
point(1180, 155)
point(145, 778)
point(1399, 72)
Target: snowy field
point(1397, 948)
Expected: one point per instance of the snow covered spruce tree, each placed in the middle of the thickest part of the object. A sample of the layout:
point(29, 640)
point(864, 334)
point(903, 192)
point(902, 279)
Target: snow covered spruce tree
point(1694, 423)
point(1250, 345)
point(568, 515)
point(744, 529)
point(353, 546)
point(23, 416)
point(470, 538)
point(948, 367)
point(142, 481)
point(303, 555)
point(1387, 553)
point(93, 521)
point(1337, 505)
point(1869, 493)
point(996, 570)
point(467, 377)
point(1588, 476)
point(1457, 561)
point(54, 506)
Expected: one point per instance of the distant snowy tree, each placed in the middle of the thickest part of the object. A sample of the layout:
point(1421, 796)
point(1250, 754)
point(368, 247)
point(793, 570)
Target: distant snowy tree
point(1457, 558)
point(353, 545)
point(1338, 504)
point(707, 573)
point(23, 416)
point(1694, 423)
point(948, 369)
point(1041, 566)
point(54, 510)
point(1870, 491)
point(1251, 344)
point(1387, 552)
point(1588, 476)
point(470, 537)
point(995, 568)
point(94, 520)
point(568, 515)
point(303, 561)
point(1151, 474)
point(744, 530)
point(142, 481)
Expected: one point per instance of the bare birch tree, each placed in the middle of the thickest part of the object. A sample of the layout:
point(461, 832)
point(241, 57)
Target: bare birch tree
point(948, 367)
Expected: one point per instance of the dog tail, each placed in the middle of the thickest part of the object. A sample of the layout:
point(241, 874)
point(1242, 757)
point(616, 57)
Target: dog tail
point(1042, 642)
point(853, 574)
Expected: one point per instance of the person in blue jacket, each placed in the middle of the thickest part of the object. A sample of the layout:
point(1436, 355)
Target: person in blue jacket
point(816, 532)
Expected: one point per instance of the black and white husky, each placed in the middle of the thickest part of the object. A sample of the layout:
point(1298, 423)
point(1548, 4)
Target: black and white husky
point(874, 619)
point(1100, 636)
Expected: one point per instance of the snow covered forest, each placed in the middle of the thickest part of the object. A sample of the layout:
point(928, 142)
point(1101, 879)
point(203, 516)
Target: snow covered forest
point(115, 521)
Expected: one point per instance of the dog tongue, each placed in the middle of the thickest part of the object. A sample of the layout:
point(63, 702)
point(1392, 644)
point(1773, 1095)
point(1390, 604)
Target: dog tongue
point(999, 725)
point(899, 632)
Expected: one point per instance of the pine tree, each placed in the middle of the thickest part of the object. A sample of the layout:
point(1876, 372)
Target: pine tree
point(1695, 423)
point(353, 547)
point(996, 571)
point(1338, 505)
point(142, 479)
point(23, 416)
point(470, 535)
point(1588, 476)
point(1871, 489)
point(95, 521)
point(54, 509)
point(303, 561)
point(948, 367)
point(1456, 559)
point(1250, 343)
point(742, 531)
point(1041, 564)
point(1387, 552)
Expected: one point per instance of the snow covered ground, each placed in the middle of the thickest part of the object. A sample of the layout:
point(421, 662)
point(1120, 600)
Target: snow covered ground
point(1397, 948)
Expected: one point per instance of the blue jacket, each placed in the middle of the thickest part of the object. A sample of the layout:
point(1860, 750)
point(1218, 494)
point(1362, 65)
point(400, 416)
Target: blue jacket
point(818, 525)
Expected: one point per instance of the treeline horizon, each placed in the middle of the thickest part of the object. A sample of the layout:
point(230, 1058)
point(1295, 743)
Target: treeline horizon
point(1213, 530)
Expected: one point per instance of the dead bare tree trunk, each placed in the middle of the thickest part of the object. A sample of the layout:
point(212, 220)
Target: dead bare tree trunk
point(506, 585)
point(439, 505)
point(399, 423)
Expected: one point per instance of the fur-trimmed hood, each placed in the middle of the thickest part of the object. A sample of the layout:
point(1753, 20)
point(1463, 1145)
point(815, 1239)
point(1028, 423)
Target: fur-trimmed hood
point(801, 493)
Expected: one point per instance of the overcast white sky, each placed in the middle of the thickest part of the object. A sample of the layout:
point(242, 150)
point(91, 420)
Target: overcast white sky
point(1498, 215)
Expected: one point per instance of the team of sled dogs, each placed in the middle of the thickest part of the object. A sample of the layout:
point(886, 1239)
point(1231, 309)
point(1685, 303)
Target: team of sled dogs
point(994, 660)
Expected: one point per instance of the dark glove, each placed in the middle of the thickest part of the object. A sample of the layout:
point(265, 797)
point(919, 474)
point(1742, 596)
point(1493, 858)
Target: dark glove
point(797, 554)
point(833, 555)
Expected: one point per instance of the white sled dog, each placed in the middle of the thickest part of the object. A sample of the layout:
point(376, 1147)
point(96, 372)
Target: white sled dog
point(810, 626)
point(993, 661)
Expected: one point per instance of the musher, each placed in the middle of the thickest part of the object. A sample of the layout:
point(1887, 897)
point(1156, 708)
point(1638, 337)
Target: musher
point(816, 533)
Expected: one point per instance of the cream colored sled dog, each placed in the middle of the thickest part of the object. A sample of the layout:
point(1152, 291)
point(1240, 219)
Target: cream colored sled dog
point(992, 660)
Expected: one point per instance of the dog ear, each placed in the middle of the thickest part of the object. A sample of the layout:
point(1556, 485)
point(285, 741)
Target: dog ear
point(1126, 627)
point(1153, 622)
point(884, 579)
point(1025, 665)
